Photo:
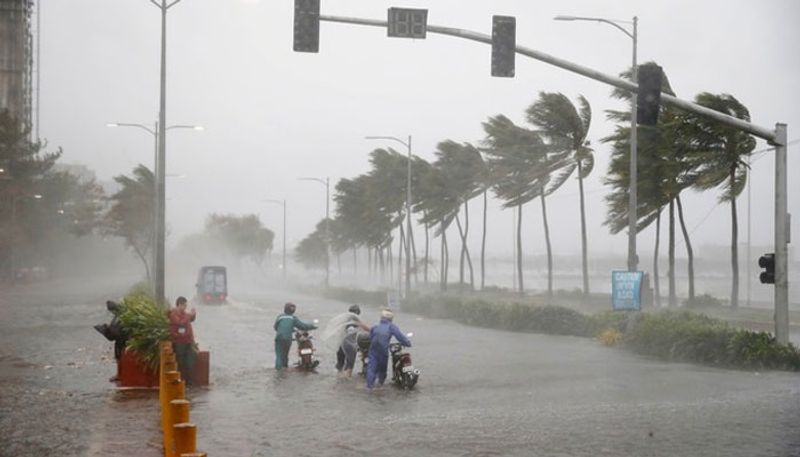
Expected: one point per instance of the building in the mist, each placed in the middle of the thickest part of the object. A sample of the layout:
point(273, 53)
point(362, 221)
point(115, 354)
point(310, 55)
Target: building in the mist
point(16, 59)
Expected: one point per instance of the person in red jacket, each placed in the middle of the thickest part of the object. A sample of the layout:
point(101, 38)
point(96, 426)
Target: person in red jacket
point(180, 329)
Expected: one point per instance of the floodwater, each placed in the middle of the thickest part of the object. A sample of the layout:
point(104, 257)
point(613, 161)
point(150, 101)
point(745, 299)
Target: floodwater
point(481, 393)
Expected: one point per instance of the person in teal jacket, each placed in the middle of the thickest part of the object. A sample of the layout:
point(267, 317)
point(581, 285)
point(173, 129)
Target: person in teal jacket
point(284, 326)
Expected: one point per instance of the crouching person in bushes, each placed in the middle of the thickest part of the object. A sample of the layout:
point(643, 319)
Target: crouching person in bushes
point(180, 329)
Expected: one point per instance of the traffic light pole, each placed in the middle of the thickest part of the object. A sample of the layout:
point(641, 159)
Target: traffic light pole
point(775, 137)
point(781, 238)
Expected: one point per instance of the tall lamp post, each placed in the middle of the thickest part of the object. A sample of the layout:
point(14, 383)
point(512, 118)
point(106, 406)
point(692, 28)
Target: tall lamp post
point(282, 203)
point(408, 204)
point(327, 183)
point(633, 259)
point(160, 205)
point(161, 226)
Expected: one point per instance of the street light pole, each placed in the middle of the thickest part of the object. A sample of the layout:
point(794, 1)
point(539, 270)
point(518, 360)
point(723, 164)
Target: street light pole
point(633, 259)
point(161, 162)
point(326, 182)
point(283, 203)
point(408, 204)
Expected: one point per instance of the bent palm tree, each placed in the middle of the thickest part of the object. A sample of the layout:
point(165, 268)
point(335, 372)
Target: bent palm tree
point(566, 128)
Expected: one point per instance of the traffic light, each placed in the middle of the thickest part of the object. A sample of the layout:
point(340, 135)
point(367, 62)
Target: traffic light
point(306, 25)
point(407, 23)
point(767, 262)
point(504, 45)
point(648, 98)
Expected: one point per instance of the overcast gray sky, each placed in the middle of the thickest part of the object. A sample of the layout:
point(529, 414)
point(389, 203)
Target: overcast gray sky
point(272, 115)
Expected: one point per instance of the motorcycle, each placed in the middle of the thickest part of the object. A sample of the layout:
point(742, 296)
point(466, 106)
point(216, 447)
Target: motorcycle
point(404, 374)
point(305, 350)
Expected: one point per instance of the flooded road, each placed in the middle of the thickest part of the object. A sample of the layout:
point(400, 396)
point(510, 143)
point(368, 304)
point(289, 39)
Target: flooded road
point(481, 393)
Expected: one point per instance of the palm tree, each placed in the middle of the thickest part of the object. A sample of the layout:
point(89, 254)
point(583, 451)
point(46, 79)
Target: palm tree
point(663, 173)
point(462, 166)
point(520, 167)
point(720, 161)
point(567, 127)
point(438, 204)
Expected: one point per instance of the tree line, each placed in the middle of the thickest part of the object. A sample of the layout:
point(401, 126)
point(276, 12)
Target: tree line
point(44, 204)
point(518, 163)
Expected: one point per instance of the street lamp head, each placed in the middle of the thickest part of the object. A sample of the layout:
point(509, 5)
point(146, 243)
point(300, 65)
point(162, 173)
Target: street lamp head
point(199, 127)
point(565, 18)
point(112, 124)
point(37, 196)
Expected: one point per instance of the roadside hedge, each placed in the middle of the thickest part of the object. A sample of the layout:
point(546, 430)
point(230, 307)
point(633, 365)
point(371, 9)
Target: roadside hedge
point(670, 335)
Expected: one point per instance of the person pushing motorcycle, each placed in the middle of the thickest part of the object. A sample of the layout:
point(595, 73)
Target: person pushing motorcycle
point(284, 326)
point(379, 336)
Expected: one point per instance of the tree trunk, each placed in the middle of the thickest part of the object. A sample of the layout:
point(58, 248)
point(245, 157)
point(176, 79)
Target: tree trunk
point(465, 251)
point(656, 288)
point(442, 258)
point(400, 251)
point(355, 261)
point(483, 244)
point(427, 242)
point(369, 262)
point(461, 258)
point(689, 250)
point(734, 246)
point(519, 250)
point(549, 248)
point(584, 245)
point(413, 254)
point(142, 256)
point(673, 299)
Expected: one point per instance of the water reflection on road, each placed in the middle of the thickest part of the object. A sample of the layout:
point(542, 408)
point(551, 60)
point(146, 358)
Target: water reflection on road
point(482, 392)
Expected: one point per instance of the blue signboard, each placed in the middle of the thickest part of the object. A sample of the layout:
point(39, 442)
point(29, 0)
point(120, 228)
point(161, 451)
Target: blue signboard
point(626, 290)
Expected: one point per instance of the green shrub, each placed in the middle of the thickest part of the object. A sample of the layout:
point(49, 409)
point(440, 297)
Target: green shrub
point(146, 325)
point(690, 337)
point(703, 301)
point(615, 320)
point(367, 297)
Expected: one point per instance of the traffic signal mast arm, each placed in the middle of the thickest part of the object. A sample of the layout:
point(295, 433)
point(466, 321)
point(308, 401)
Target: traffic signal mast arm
point(756, 130)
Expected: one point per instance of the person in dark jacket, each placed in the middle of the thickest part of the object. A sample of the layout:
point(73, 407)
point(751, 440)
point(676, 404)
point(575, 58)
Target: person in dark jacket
point(284, 326)
point(379, 337)
point(180, 330)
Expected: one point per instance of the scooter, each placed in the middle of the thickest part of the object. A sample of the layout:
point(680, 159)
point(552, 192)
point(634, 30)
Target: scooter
point(305, 350)
point(404, 374)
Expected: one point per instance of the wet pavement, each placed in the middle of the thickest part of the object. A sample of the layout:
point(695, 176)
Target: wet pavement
point(481, 393)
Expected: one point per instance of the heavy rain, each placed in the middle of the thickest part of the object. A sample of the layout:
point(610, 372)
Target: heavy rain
point(358, 228)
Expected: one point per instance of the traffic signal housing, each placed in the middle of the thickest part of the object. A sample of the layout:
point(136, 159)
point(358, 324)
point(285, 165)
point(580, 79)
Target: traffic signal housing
point(648, 98)
point(504, 45)
point(767, 262)
point(306, 25)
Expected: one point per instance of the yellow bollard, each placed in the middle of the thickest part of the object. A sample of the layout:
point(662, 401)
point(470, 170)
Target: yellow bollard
point(179, 411)
point(174, 389)
point(185, 438)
